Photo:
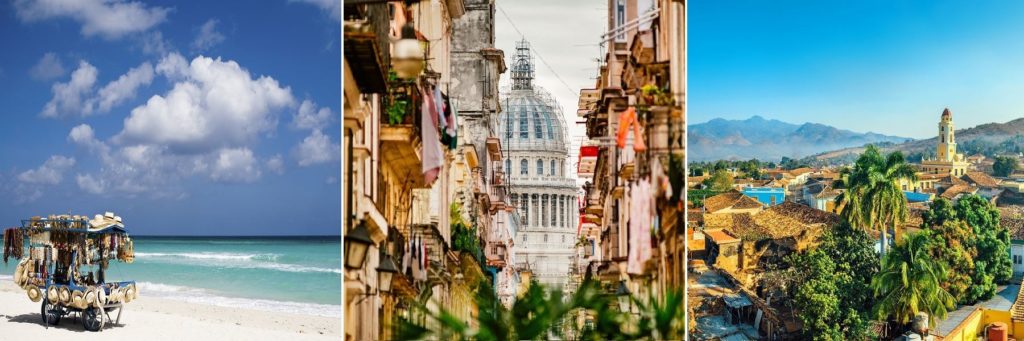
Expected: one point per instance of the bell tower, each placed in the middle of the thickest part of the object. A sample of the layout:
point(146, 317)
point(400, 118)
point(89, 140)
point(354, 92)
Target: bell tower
point(947, 141)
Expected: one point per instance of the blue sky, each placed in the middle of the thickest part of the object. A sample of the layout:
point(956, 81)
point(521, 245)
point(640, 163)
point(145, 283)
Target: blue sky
point(183, 117)
point(882, 66)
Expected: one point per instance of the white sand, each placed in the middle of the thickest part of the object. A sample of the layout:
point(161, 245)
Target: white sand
point(151, 319)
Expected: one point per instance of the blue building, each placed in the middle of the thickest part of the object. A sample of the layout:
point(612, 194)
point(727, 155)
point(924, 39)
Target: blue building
point(769, 196)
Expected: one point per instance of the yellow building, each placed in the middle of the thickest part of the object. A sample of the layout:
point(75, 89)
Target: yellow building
point(947, 161)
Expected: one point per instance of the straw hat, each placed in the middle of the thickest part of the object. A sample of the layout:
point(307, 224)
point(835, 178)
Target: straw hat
point(77, 299)
point(115, 295)
point(65, 295)
point(52, 294)
point(18, 273)
point(90, 297)
point(129, 293)
point(135, 293)
point(34, 294)
point(101, 297)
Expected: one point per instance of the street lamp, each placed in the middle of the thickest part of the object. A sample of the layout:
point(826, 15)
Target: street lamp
point(623, 295)
point(408, 57)
point(357, 242)
point(385, 273)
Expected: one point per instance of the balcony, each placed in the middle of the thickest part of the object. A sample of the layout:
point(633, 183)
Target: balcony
point(494, 148)
point(401, 148)
point(496, 254)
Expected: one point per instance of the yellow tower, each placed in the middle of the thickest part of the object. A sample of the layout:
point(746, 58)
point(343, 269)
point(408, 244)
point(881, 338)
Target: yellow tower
point(947, 141)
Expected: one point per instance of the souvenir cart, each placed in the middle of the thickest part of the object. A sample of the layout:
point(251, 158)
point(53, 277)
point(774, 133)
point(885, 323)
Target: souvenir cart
point(63, 262)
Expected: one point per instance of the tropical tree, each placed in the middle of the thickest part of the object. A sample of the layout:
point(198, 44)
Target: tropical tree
point(874, 196)
point(910, 281)
point(720, 181)
point(1004, 165)
point(833, 293)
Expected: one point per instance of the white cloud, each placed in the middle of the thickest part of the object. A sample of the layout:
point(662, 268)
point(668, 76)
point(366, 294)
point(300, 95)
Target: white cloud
point(68, 97)
point(84, 136)
point(315, 149)
point(90, 184)
point(331, 7)
point(110, 19)
point(153, 43)
point(235, 165)
point(49, 67)
point(331, 180)
point(276, 164)
point(122, 89)
point(50, 172)
point(217, 104)
point(173, 66)
point(309, 117)
point(208, 36)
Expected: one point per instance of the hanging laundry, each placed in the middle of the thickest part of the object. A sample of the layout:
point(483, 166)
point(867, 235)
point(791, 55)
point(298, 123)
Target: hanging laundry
point(439, 108)
point(452, 130)
point(645, 198)
point(405, 257)
point(626, 120)
point(433, 156)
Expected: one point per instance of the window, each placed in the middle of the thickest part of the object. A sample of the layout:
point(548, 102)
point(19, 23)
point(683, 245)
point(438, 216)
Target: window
point(524, 237)
point(554, 209)
point(524, 131)
point(508, 126)
point(540, 167)
point(552, 167)
point(545, 237)
point(537, 128)
point(523, 166)
point(551, 129)
point(525, 209)
point(508, 166)
point(543, 210)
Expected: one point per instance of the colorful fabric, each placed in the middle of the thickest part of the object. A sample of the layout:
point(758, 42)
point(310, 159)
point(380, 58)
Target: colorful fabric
point(628, 119)
point(433, 155)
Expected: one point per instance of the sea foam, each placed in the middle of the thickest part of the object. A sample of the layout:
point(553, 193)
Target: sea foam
point(201, 296)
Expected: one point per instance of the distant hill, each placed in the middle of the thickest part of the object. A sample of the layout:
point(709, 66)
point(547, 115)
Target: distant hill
point(770, 140)
point(988, 139)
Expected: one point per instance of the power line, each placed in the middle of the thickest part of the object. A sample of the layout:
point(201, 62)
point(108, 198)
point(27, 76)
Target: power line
point(545, 62)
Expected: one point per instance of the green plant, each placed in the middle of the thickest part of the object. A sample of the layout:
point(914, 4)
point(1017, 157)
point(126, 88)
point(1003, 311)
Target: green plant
point(910, 282)
point(396, 110)
point(874, 198)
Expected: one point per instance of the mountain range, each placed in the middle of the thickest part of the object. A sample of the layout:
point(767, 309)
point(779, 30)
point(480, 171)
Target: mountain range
point(770, 139)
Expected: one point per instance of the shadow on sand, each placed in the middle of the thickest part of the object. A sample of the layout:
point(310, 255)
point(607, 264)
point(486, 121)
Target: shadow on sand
point(70, 322)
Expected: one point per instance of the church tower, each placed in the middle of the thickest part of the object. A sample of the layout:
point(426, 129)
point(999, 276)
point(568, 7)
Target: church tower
point(947, 142)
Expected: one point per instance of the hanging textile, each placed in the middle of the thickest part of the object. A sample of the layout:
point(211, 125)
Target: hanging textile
point(406, 256)
point(14, 243)
point(449, 135)
point(628, 119)
point(641, 215)
point(433, 156)
point(439, 108)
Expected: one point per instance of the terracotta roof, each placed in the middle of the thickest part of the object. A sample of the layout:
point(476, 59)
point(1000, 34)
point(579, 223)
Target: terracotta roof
point(930, 176)
point(726, 220)
point(981, 179)
point(804, 214)
point(801, 171)
point(720, 236)
point(1012, 218)
point(1017, 309)
point(953, 191)
point(732, 198)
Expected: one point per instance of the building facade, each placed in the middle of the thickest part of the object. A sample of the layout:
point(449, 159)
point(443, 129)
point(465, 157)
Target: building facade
point(534, 136)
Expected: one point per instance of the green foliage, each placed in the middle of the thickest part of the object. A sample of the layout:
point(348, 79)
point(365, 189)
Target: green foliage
point(874, 198)
point(968, 238)
point(910, 282)
point(464, 238)
point(833, 295)
point(720, 181)
point(540, 313)
point(1004, 166)
point(697, 196)
point(396, 110)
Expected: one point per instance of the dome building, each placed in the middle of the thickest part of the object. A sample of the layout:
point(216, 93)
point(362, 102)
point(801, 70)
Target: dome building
point(534, 136)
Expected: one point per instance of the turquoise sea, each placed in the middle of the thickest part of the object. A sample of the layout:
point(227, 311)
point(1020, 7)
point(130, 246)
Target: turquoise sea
point(281, 274)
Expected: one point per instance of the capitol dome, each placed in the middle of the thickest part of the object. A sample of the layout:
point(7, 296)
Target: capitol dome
point(534, 137)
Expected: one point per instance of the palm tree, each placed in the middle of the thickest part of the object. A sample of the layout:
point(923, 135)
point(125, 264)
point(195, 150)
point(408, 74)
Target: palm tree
point(874, 198)
point(910, 282)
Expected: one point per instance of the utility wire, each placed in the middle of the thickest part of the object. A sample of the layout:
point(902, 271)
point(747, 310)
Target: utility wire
point(539, 56)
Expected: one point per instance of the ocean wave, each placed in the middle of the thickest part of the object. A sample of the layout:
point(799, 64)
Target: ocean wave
point(201, 296)
point(266, 261)
point(212, 255)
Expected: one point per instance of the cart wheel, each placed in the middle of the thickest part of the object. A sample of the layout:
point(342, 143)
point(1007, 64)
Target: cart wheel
point(93, 319)
point(51, 313)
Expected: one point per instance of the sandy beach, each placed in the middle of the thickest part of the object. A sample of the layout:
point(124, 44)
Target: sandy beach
point(153, 319)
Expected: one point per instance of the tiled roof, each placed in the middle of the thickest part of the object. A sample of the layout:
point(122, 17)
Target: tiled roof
point(1012, 218)
point(732, 198)
point(804, 214)
point(953, 191)
point(801, 171)
point(747, 202)
point(1017, 309)
point(720, 236)
point(726, 220)
point(981, 179)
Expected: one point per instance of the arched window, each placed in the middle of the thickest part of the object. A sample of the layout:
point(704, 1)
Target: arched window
point(538, 129)
point(524, 130)
point(540, 167)
point(552, 167)
point(523, 167)
point(551, 129)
